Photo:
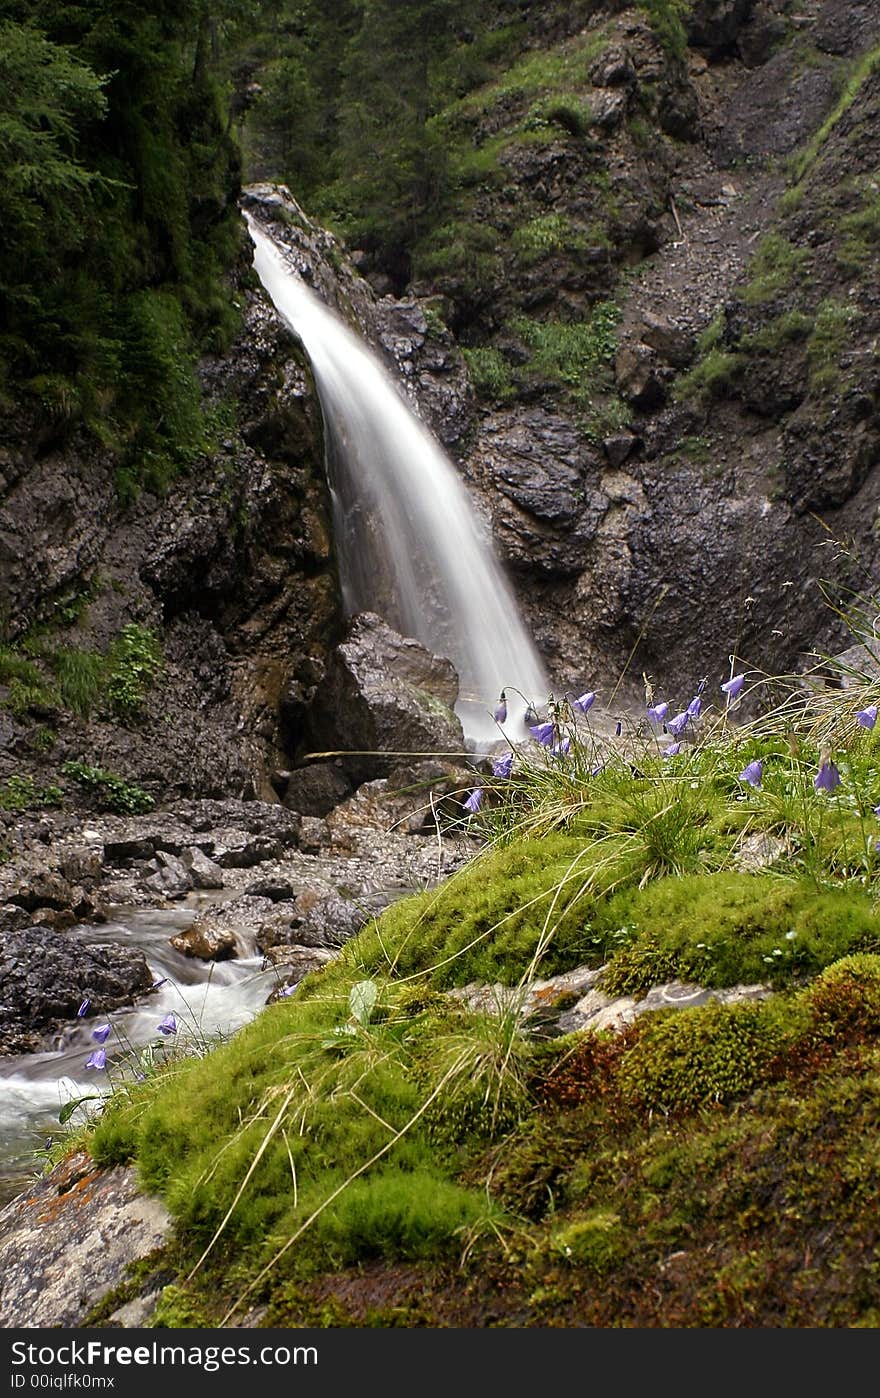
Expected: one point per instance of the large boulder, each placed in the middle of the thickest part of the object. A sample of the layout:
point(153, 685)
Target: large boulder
point(384, 693)
point(45, 976)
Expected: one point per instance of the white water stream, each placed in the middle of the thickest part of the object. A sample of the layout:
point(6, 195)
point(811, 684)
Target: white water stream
point(206, 1000)
point(408, 538)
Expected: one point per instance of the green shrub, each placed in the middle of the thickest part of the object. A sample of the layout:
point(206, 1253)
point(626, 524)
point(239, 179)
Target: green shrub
point(489, 373)
point(111, 792)
point(132, 665)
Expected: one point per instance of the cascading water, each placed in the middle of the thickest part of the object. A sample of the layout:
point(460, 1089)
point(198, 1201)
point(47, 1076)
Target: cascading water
point(205, 1000)
point(403, 519)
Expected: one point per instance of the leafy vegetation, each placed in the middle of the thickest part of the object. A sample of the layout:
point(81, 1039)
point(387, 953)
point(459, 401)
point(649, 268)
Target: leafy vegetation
point(119, 224)
point(109, 791)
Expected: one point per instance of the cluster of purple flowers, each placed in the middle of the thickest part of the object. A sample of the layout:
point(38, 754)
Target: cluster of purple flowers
point(98, 1057)
point(547, 733)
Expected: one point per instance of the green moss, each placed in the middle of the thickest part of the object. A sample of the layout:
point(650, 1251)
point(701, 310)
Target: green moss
point(773, 269)
point(715, 375)
point(595, 1241)
point(574, 354)
point(827, 343)
point(548, 233)
point(487, 922)
point(490, 374)
point(863, 69)
point(713, 1054)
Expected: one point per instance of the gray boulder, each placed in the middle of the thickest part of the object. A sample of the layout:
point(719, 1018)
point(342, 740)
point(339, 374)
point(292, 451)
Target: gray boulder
point(45, 975)
point(384, 693)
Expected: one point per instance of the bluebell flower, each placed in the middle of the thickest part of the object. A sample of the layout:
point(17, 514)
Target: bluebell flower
point(618, 728)
point(474, 801)
point(868, 717)
point(543, 733)
point(97, 1059)
point(753, 773)
point(702, 685)
point(672, 750)
point(84, 1008)
point(677, 725)
point(658, 713)
point(585, 702)
point(168, 1025)
point(827, 777)
point(502, 765)
point(695, 706)
point(562, 748)
point(101, 1034)
point(733, 686)
point(501, 711)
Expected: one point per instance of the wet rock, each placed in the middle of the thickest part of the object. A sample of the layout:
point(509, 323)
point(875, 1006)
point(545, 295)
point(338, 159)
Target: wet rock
point(619, 446)
point(277, 890)
point(571, 1002)
point(45, 975)
point(293, 963)
point(639, 376)
point(714, 25)
point(609, 110)
point(613, 68)
point(83, 864)
point(316, 789)
point(384, 693)
point(238, 849)
point(314, 835)
point(172, 879)
point(72, 1237)
point(44, 889)
point(674, 344)
point(203, 872)
point(205, 941)
point(118, 852)
point(317, 919)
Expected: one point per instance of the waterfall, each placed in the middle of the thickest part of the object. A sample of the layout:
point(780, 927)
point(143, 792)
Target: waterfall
point(409, 542)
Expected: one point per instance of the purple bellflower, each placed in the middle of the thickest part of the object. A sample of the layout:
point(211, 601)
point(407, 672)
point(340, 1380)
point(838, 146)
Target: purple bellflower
point(474, 801)
point(672, 750)
point(827, 777)
point(658, 713)
point(502, 765)
point(694, 707)
point(501, 711)
point(733, 686)
point(677, 725)
point(753, 773)
point(168, 1025)
point(101, 1034)
point(84, 1008)
point(543, 733)
point(97, 1059)
point(562, 748)
point(867, 717)
point(585, 702)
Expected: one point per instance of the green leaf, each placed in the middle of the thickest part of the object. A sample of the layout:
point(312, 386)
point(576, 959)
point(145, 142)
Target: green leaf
point(361, 1000)
point(70, 1107)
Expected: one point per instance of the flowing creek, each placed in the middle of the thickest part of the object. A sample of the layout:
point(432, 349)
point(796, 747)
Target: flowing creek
point(207, 999)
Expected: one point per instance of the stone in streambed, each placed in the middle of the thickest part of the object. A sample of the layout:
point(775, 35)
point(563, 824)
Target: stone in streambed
point(206, 941)
point(203, 872)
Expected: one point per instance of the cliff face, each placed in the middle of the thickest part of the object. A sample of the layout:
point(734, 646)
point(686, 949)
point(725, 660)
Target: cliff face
point(647, 333)
point(660, 272)
point(188, 617)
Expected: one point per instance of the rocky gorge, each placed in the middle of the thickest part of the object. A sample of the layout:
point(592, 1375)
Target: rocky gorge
point(189, 721)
